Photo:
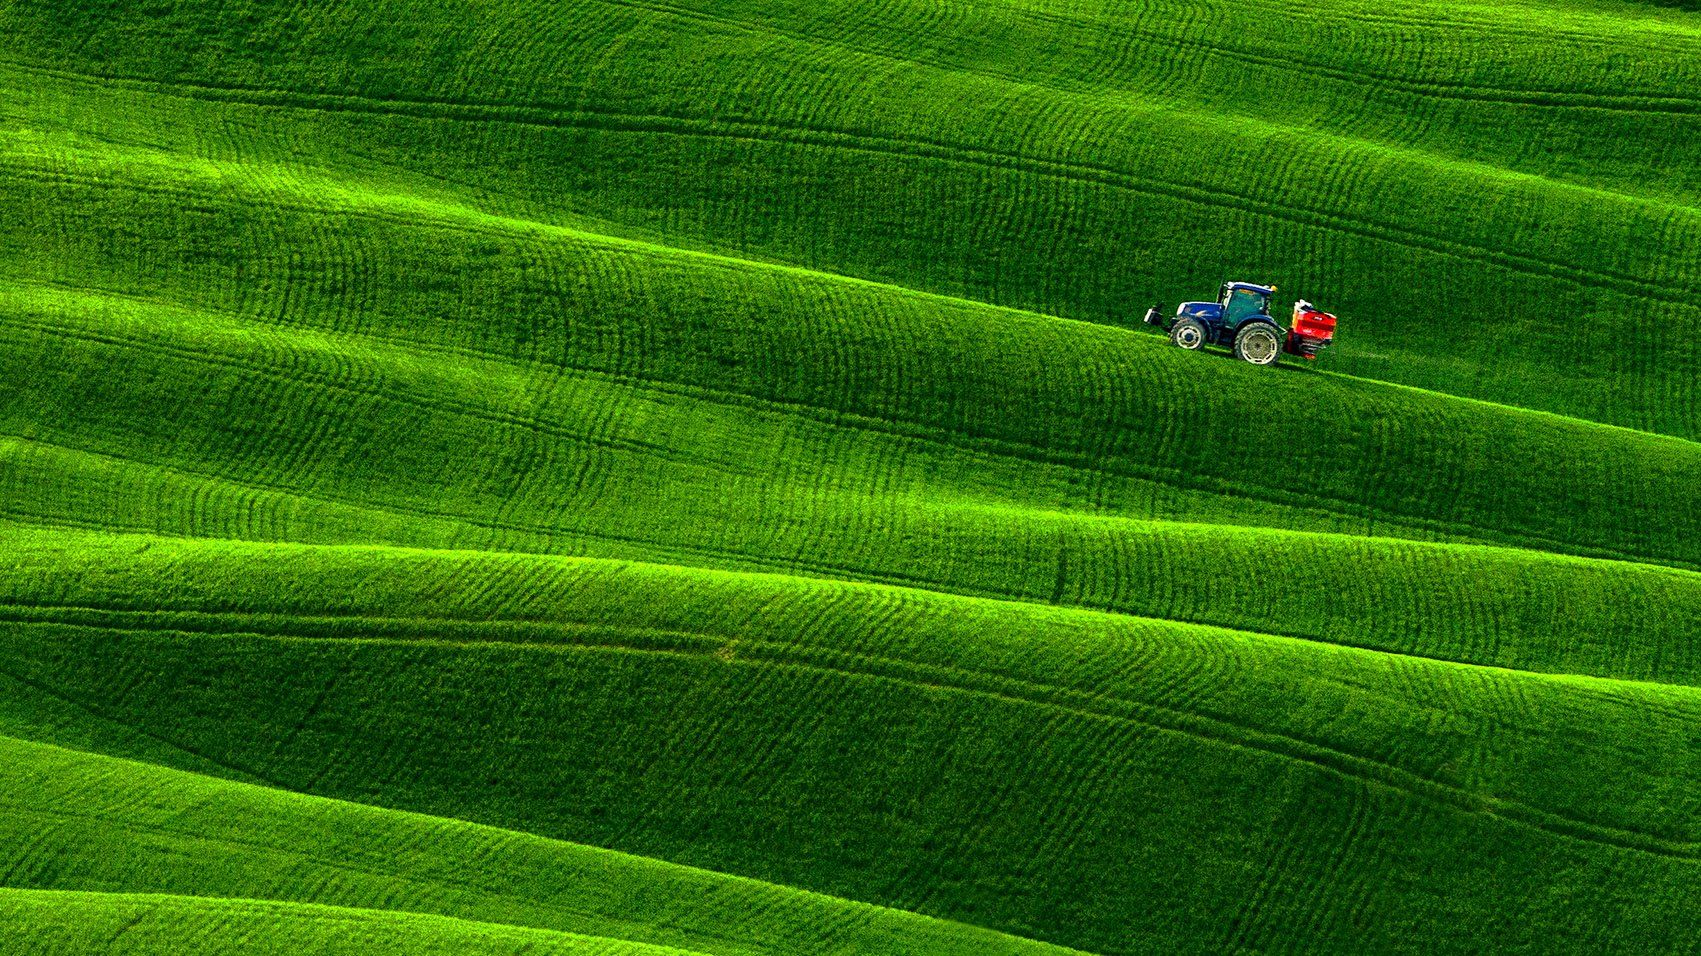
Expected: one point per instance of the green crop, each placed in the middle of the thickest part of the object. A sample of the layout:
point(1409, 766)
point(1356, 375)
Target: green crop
point(685, 476)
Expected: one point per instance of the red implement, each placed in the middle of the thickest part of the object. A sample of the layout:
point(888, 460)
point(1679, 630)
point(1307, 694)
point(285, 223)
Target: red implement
point(1311, 333)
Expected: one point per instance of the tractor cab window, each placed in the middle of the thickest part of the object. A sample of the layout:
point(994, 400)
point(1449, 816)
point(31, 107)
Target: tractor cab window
point(1243, 303)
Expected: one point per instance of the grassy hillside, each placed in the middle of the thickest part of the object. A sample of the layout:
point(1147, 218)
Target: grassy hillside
point(51, 923)
point(1500, 197)
point(316, 867)
point(1038, 769)
point(508, 369)
point(681, 477)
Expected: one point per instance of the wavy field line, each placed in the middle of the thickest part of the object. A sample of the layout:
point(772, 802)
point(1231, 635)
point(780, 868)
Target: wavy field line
point(1400, 617)
point(548, 884)
point(988, 447)
point(584, 116)
point(210, 622)
point(908, 429)
point(240, 774)
point(1641, 103)
point(1080, 704)
point(43, 918)
point(331, 381)
point(714, 643)
point(918, 147)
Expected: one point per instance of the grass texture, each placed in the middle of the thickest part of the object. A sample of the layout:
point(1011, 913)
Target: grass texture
point(1500, 196)
point(197, 845)
point(680, 476)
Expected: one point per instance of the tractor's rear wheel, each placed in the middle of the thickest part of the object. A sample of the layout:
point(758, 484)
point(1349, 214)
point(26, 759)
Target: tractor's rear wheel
point(1259, 344)
point(1188, 334)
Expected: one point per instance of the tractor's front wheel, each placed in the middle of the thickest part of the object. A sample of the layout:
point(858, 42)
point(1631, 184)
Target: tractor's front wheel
point(1188, 334)
point(1259, 344)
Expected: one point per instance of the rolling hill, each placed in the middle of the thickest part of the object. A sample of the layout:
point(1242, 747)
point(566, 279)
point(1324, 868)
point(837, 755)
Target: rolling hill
point(665, 477)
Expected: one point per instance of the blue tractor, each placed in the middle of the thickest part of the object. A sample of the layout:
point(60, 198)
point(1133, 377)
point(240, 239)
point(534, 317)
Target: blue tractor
point(1240, 320)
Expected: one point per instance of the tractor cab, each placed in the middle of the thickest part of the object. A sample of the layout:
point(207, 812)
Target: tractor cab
point(1243, 300)
point(1236, 303)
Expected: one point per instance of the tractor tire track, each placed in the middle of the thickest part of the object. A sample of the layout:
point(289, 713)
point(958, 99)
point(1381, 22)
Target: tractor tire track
point(916, 147)
point(1238, 488)
point(1089, 706)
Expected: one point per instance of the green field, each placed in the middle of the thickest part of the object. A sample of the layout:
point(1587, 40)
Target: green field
point(687, 477)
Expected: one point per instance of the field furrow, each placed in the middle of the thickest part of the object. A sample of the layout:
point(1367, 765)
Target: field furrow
point(688, 477)
point(791, 690)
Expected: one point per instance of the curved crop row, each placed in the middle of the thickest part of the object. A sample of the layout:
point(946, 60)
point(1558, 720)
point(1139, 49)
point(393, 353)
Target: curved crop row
point(1493, 607)
point(1081, 768)
point(195, 846)
point(596, 477)
point(1543, 278)
point(576, 386)
point(119, 924)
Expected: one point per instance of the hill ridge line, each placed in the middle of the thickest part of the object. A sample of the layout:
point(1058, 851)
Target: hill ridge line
point(524, 836)
point(1171, 102)
point(262, 903)
point(1436, 88)
point(451, 214)
point(898, 427)
point(570, 626)
point(1170, 718)
point(826, 570)
point(591, 237)
point(563, 114)
point(1520, 553)
point(873, 583)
